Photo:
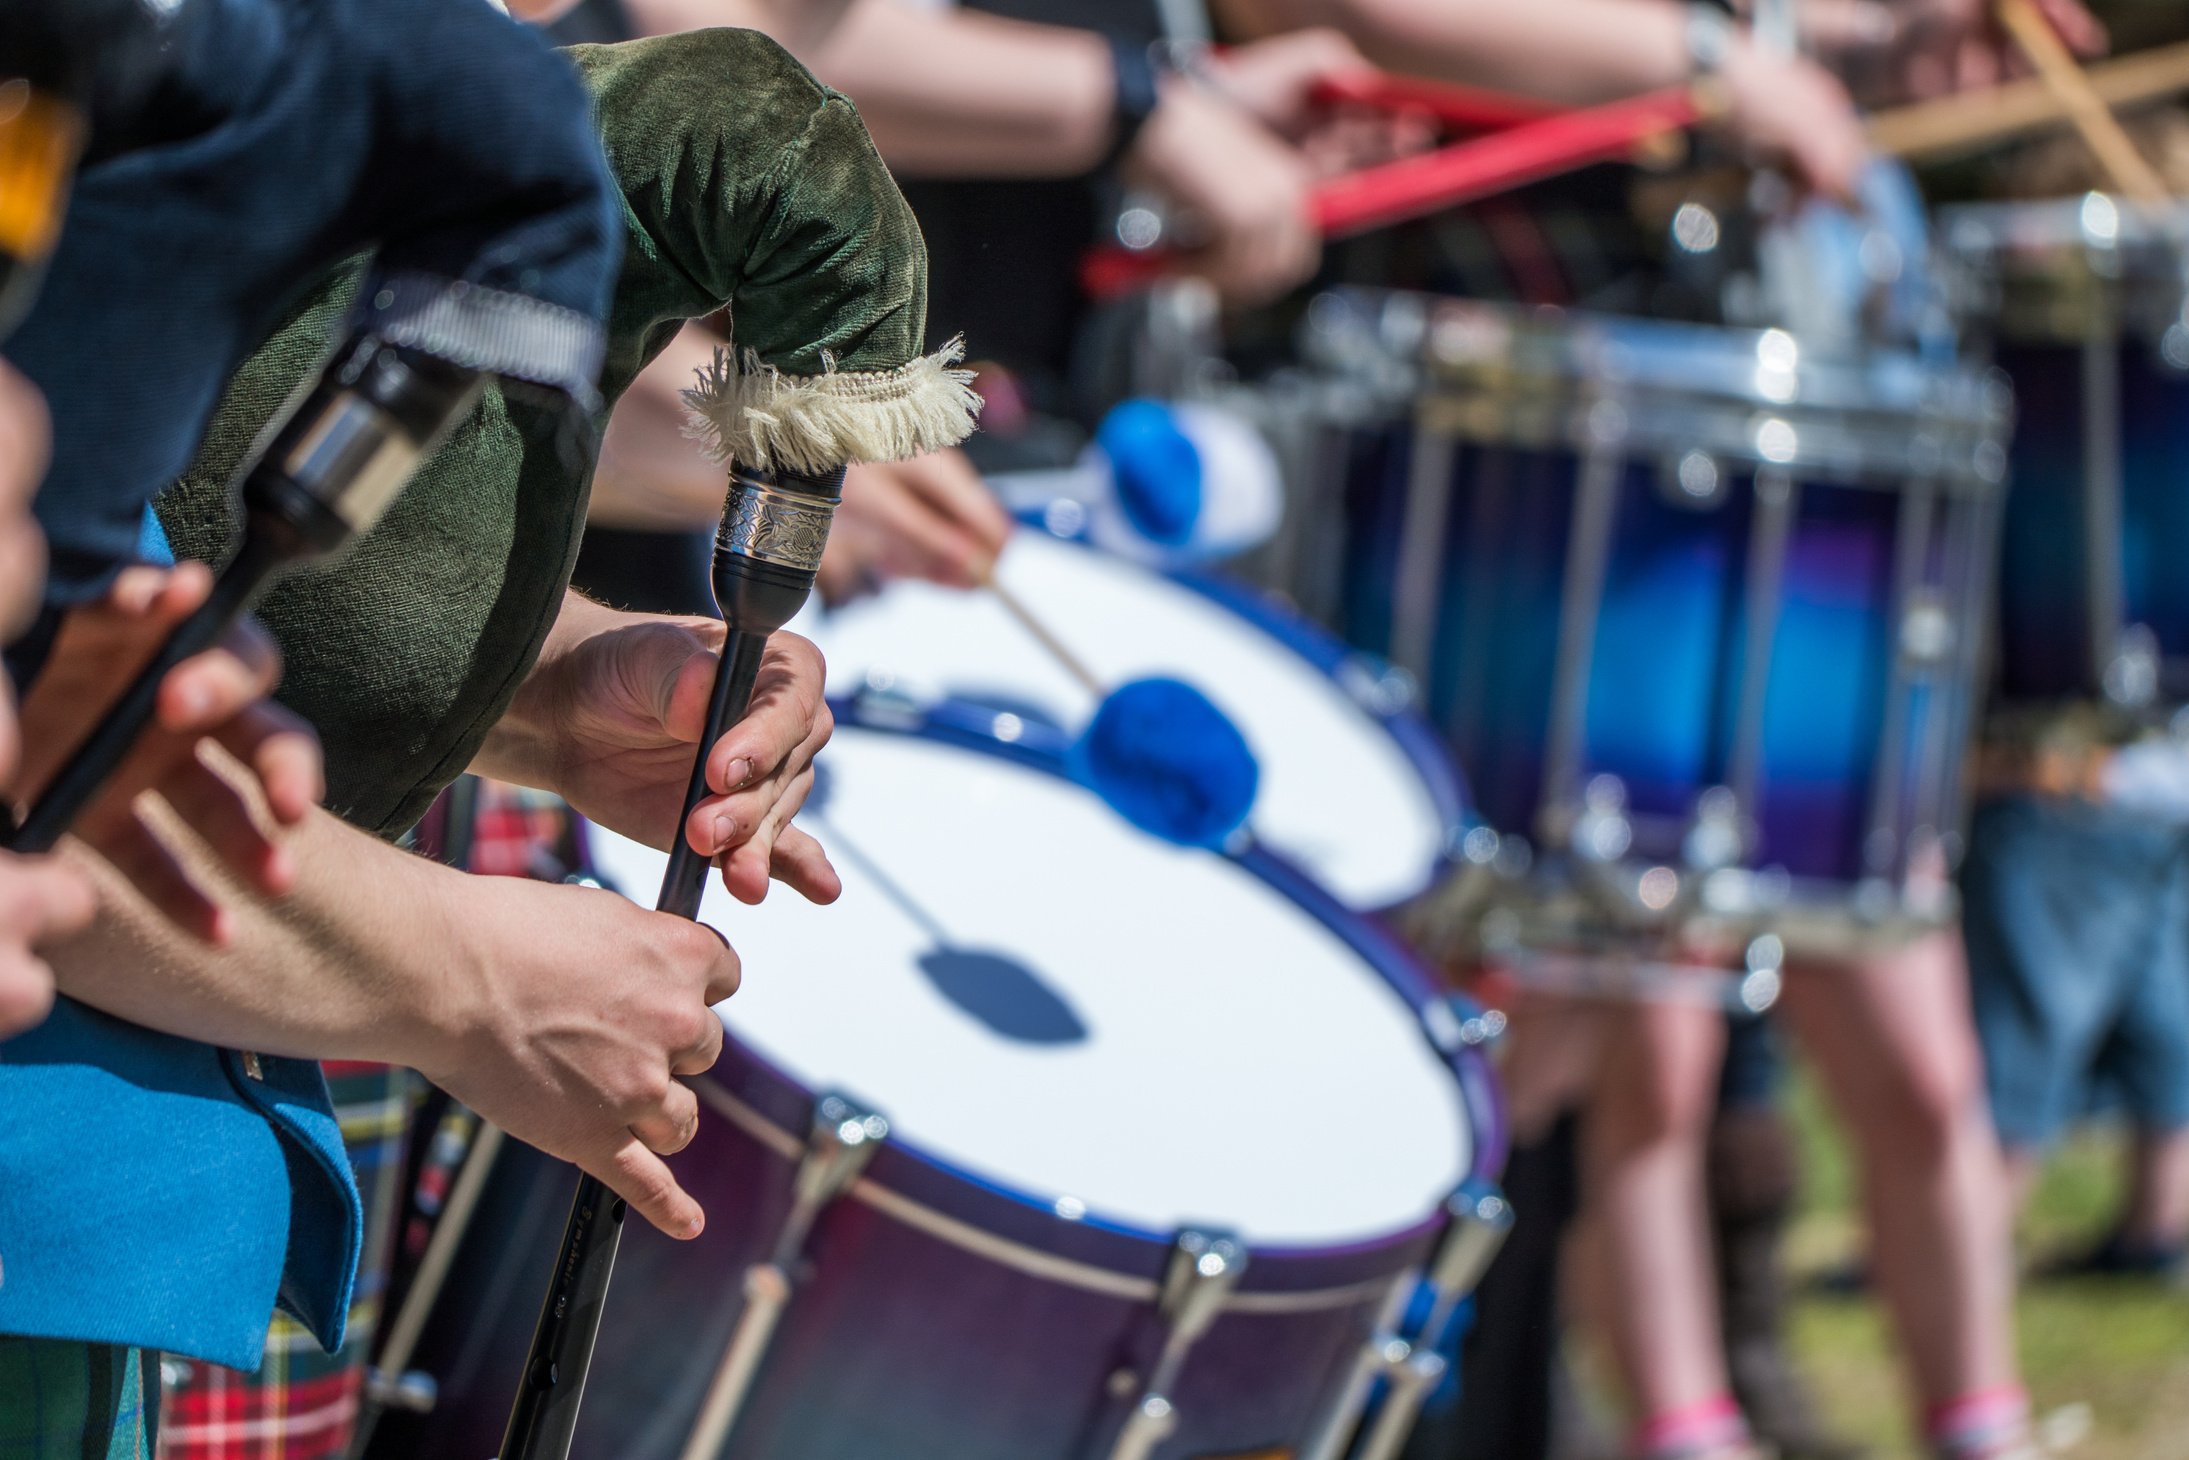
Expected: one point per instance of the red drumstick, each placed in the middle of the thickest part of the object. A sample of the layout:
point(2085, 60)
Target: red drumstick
point(1415, 187)
point(1463, 108)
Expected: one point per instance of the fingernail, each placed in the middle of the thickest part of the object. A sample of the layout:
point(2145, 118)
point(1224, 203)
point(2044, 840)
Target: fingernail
point(724, 829)
point(691, 1228)
point(740, 772)
point(195, 701)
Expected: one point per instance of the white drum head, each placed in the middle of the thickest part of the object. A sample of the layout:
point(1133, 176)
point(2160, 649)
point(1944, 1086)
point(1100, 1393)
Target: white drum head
point(1031, 990)
point(1339, 797)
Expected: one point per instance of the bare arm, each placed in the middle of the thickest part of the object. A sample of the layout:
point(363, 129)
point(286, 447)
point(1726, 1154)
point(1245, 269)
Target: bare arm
point(1574, 51)
point(559, 1013)
point(955, 93)
point(652, 477)
point(1579, 52)
point(796, 25)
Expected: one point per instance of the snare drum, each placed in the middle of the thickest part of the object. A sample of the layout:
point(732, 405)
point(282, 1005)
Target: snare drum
point(1047, 1140)
point(1356, 789)
point(1698, 608)
point(2086, 303)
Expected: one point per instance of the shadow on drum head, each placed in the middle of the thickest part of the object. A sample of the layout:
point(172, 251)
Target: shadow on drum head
point(1004, 995)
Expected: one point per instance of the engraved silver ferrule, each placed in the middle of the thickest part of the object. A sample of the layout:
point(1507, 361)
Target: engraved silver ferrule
point(764, 520)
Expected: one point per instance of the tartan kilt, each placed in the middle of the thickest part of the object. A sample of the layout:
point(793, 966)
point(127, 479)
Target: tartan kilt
point(65, 1400)
point(302, 1402)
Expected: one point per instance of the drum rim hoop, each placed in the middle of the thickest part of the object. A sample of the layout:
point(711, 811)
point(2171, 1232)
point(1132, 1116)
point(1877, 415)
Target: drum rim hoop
point(1032, 1261)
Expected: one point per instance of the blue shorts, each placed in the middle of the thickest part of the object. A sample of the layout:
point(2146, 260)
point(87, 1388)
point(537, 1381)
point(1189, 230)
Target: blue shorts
point(2077, 919)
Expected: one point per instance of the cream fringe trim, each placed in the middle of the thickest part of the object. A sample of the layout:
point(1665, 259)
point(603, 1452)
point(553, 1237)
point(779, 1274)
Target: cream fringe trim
point(746, 410)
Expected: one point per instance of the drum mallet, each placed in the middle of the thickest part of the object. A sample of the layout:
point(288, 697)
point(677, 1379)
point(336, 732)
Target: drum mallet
point(1041, 633)
point(2040, 45)
point(323, 477)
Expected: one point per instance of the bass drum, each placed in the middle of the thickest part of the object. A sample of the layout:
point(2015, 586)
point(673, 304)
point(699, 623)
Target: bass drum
point(1047, 1140)
point(1357, 790)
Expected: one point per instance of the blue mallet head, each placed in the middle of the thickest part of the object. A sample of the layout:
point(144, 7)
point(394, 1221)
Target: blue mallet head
point(1169, 762)
point(1157, 469)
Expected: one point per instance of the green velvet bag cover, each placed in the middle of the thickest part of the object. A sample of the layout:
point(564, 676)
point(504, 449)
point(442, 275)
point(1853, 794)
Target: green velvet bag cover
point(747, 185)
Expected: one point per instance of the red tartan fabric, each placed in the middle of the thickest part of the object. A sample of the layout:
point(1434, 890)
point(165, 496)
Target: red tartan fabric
point(302, 1405)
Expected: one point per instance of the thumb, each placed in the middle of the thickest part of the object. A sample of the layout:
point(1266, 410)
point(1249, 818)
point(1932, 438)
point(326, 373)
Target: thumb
point(670, 671)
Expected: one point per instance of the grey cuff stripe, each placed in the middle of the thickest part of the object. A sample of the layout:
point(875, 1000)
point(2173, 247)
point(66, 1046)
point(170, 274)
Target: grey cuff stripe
point(487, 329)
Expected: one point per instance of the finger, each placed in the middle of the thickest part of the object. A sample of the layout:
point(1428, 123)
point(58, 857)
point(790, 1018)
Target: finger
point(642, 1179)
point(282, 750)
point(145, 862)
point(724, 969)
point(22, 569)
point(142, 591)
point(745, 871)
point(700, 1058)
point(950, 481)
point(46, 898)
point(26, 991)
point(923, 539)
point(801, 863)
point(207, 688)
point(671, 1128)
point(220, 815)
point(787, 709)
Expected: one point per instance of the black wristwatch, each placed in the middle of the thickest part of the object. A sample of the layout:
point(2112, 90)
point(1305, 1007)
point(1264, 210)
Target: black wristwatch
point(1137, 80)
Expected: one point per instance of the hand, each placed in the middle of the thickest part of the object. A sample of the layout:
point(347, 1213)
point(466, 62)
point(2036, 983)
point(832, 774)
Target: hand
point(930, 518)
point(1275, 80)
point(218, 697)
point(25, 439)
point(1796, 112)
point(1243, 188)
point(581, 1007)
point(42, 899)
point(1929, 48)
point(614, 717)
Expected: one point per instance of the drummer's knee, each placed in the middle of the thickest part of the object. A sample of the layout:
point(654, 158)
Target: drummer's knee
point(1660, 1082)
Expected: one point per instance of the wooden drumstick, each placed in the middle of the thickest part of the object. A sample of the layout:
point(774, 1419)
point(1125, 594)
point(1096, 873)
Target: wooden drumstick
point(1042, 633)
point(1968, 121)
point(2041, 46)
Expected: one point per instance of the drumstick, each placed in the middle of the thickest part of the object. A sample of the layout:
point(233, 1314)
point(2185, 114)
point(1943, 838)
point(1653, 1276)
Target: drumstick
point(1418, 186)
point(1929, 131)
point(2034, 37)
point(1042, 633)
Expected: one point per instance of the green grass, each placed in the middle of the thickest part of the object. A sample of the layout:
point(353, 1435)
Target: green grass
point(2105, 1356)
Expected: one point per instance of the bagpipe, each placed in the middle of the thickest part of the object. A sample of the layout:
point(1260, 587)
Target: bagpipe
point(266, 142)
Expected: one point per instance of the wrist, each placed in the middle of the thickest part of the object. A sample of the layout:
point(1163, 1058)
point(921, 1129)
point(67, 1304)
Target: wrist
point(523, 744)
point(1176, 121)
point(1136, 94)
point(450, 1006)
point(1708, 39)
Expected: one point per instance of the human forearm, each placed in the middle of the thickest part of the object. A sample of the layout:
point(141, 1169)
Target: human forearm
point(1571, 51)
point(796, 25)
point(960, 94)
point(652, 477)
point(349, 966)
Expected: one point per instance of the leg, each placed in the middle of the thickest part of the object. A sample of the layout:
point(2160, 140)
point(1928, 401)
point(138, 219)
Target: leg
point(1892, 1039)
point(2156, 1218)
point(1507, 1363)
point(1754, 1182)
point(1646, 1260)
